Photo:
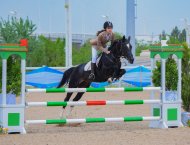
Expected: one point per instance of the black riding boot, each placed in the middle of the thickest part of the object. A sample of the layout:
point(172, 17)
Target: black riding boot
point(92, 74)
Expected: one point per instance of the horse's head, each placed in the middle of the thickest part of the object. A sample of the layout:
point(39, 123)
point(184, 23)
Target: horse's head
point(123, 49)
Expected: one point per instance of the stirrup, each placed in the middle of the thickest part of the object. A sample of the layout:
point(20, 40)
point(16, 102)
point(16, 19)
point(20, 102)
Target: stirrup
point(91, 76)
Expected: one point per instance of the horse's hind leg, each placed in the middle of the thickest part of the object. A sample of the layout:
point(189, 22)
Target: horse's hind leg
point(65, 112)
point(67, 98)
point(81, 85)
point(78, 96)
point(70, 108)
point(72, 84)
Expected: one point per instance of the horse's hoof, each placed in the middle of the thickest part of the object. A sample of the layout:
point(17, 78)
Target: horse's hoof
point(110, 80)
point(68, 111)
point(62, 114)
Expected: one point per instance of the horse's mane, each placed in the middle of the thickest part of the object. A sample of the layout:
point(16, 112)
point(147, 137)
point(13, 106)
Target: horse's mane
point(113, 44)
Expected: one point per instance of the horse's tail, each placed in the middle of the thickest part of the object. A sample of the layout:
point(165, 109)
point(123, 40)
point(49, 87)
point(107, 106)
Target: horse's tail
point(66, 77)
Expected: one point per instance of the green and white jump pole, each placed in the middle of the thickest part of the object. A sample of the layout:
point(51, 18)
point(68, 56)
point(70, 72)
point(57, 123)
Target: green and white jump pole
point(93, 120)
point(93, 103)
point(76, 90)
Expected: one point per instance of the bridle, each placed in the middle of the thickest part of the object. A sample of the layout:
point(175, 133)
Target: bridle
point(121, 49)
point(117, 55)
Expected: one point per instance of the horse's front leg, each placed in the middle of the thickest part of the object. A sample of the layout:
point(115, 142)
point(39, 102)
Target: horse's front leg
point(121, 73)
point(115, 74)
point(118, 72)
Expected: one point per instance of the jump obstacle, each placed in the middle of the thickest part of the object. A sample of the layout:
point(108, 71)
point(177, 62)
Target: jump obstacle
point(164, 113)
point(93, 103)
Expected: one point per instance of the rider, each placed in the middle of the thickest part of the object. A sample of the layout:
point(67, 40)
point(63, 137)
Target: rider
point(100, 43)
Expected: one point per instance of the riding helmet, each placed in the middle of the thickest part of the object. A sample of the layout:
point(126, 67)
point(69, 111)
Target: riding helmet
point(108, 24)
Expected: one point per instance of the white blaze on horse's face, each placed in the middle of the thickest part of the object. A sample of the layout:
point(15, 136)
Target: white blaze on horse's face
point(128, 45)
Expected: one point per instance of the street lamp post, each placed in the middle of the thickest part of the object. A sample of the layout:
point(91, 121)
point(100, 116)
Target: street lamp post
point(68, 38)
point(83, 24)
point(187, 29)
point(130, 22)
point(187, 35)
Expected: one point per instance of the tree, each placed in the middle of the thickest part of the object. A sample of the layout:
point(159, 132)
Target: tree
point(171, 74)
point(7, 31)
point(186, 78)
point(175, 33)
point(182, 36)
point(140, 45)
point(13, 29)
point(118, 35)
point(177, 36)
point(51, 52)
point(163, 35)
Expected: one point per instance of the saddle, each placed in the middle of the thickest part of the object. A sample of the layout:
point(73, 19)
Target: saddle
point(88, 65)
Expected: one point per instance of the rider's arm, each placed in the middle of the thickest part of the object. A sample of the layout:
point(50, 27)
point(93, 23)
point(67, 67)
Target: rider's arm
point(99, 44)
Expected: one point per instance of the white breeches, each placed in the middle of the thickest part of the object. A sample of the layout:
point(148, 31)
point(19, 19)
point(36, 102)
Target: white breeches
point(94, 54)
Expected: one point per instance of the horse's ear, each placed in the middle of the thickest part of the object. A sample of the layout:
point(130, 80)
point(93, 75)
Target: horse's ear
point(129, 38)
point(123, 38)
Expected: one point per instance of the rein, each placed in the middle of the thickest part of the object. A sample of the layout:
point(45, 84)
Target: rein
point(120, 51)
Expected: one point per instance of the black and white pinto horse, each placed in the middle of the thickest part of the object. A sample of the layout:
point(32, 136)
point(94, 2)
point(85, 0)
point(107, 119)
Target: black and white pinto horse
point(108, 68)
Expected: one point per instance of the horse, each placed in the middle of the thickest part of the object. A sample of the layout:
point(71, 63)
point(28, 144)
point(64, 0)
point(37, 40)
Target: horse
point(107, 69)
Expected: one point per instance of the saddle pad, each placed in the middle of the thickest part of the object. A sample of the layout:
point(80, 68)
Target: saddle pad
point(88, 65)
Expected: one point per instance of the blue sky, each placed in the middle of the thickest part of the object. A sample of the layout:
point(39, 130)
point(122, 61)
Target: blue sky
point(153, 15)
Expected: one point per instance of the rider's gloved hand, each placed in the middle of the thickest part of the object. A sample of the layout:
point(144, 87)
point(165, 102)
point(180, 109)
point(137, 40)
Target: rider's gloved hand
point(106, 51)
